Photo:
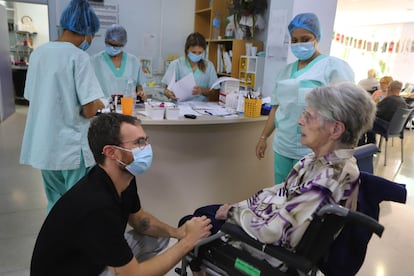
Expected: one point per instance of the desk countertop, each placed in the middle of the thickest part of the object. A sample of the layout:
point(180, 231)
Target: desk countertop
point(202, 120)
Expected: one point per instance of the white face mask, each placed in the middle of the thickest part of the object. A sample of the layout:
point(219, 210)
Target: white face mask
point(142, 160)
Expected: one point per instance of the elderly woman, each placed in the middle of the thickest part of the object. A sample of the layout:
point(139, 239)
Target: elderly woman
point(311, 69)
point(280, 214)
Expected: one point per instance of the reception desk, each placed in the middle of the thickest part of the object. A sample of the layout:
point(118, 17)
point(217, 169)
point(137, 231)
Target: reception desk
point(202, 161)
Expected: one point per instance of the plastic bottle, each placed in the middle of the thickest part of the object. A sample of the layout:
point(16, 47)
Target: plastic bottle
point(216, 27)
point(130, 89)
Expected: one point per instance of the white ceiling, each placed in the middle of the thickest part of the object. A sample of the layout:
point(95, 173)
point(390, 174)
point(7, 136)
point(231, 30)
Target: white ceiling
point(373, 12)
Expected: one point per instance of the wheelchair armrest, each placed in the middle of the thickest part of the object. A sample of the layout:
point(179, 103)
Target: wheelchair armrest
point(278, 252)
point(209, 239)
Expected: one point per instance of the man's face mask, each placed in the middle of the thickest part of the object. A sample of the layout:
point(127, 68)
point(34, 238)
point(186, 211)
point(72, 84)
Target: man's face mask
point(142, 160)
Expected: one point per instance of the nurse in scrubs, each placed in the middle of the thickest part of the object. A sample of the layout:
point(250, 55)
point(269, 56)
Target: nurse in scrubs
point(64, 94)
point(193, 62)
point(118, 72)
point(310, 70)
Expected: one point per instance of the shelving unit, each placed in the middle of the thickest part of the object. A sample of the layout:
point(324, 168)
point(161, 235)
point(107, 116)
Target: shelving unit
point(237, 48)
point(205, 11)
point(251, 71)
point(21, 48)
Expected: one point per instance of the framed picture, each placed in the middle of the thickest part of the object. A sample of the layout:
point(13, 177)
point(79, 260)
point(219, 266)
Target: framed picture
point(146, 66)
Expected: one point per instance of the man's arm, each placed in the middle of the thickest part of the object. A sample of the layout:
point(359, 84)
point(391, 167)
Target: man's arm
point(191, 233)
point(146, 224)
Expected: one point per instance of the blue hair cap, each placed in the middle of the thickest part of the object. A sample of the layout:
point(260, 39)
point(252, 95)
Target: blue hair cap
point(307, 21)
point(79, 17)
point(116, 33)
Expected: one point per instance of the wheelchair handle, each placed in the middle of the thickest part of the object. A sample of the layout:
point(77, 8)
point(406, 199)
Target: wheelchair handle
point(353, 216)
point(367, 222)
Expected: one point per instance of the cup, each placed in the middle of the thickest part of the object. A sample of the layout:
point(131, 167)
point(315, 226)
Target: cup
point(248, 48)
point(127, 105)
point(254, 50)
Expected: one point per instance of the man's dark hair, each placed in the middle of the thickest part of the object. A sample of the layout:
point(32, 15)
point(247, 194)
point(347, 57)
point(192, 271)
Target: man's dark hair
point(105, 129)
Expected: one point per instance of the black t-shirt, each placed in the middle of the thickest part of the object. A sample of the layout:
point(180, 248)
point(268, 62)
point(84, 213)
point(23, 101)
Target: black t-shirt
point(387, 107)
point(84, 231)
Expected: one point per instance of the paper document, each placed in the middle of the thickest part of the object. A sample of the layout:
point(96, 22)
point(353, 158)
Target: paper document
point(183, 89)
point(210, 108)
point(221, 79)
point(172, 82)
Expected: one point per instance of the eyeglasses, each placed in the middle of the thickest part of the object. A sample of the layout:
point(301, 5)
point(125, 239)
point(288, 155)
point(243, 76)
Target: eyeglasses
point(141, 142)
point(309, 117)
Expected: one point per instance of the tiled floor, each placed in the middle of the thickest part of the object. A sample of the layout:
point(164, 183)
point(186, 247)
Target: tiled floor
point(22, 208)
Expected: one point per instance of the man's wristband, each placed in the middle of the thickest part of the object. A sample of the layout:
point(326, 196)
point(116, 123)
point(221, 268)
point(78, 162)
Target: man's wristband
point(263, 137)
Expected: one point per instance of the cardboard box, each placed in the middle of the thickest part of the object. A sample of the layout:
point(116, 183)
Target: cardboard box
point(227, 88)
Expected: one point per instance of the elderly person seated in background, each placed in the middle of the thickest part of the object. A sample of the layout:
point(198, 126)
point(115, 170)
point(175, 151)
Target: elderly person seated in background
point(280, 214)
point(382, 92)
point(370, 84)
point(385, 111)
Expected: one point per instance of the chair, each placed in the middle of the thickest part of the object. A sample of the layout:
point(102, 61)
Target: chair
point(395, 128)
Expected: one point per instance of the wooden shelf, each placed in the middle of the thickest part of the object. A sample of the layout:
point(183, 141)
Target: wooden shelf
point(238, 48)
point(205, 11)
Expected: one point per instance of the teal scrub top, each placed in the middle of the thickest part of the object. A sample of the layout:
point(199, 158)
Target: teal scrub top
point(182, 68)
point(60, 80)
point(115, 80)
point(289, 94)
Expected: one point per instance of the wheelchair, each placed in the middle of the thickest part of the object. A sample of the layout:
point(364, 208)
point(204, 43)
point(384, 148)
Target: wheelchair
point(334, 243)
point(231, 251)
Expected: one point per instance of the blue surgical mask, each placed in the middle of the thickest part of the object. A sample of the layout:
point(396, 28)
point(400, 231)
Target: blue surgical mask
point(195, 58)
point(84, 45)
point(303, 51)
point(112, 51)
point(142, 160)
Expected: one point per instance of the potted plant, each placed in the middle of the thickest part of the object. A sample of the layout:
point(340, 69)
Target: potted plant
point(247, 15)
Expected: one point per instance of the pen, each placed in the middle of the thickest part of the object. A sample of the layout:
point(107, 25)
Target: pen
point(208, 112)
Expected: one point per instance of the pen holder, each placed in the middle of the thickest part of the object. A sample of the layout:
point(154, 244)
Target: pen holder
point(252, 107)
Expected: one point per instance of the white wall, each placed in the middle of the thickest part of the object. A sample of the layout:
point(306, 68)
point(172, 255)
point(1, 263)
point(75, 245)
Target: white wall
point(399, 64)
point(38, 13)
point(277, 46)
point(169, 22)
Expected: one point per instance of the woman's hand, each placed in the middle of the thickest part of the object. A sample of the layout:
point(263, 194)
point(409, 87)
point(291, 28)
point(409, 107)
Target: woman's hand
point(170, 94)
point(142, 94)
point(197, 90)
point(261, 148)
point(223, 211)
